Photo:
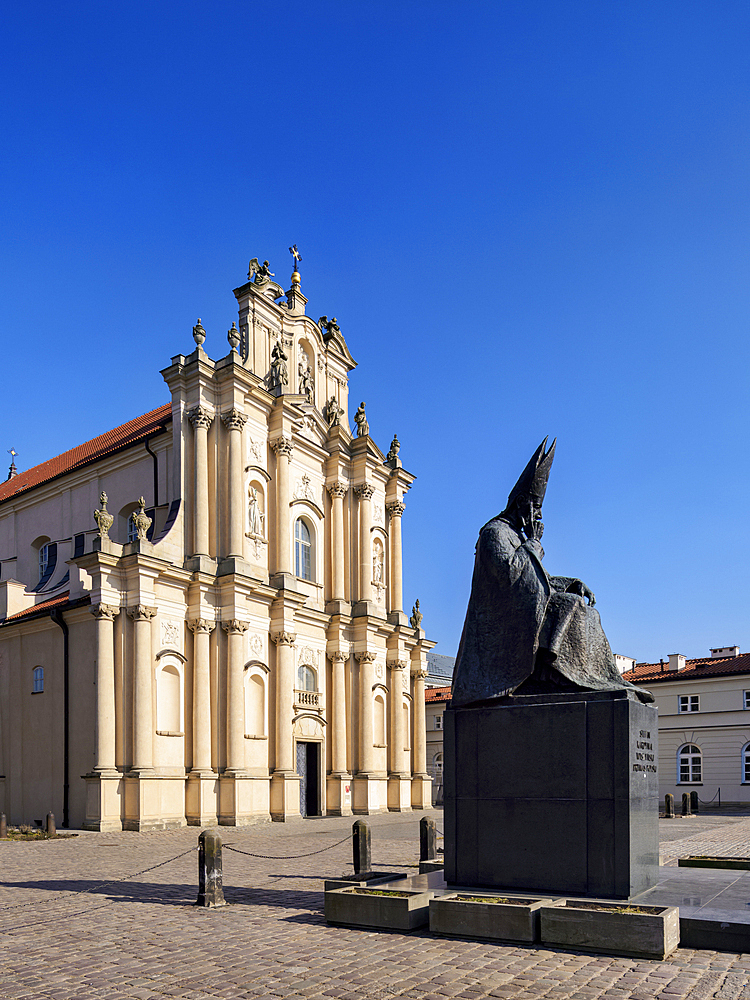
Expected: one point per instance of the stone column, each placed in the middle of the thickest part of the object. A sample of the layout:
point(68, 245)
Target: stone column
point(105, 615)
point(235, 420)
point(201, 629)
point(398, 735)
point(365, 492)
point(396, 602)
point(235, 630)
point(420, 733)
point(284, 699)
point(283, 449)
point(366, 750)
point(143, 719)
point(338, 491)
point(338, 713)
point(201, 419)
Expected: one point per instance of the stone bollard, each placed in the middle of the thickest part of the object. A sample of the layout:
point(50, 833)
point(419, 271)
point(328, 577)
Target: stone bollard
point(3, 827)
point(669, 806)
point(51, 828)
point(694, 803)
point(361, 847)
point(210, 889)
point(686, 804)
point(427, 839)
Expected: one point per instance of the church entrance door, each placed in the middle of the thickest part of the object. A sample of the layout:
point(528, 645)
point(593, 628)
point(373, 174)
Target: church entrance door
point(308, 768)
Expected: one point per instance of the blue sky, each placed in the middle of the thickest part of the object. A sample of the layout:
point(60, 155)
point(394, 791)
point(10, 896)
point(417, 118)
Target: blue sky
point(529, 218)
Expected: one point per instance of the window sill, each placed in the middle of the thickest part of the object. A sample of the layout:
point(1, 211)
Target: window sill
point(249, 737)
point(379, 746)
point(167, 732)
point(696, 784)
point(37, 692)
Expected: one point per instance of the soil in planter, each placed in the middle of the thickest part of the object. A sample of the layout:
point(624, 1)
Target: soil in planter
point(613, 907)
point(16, 834)
point(382, 892)
point(495, 899)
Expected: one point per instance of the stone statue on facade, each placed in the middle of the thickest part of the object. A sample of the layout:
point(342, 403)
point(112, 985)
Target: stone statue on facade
point(254, 515)
point(261, 272)
point(394, 449)
point(279, 370)
point(333, 412)
point(140, 520)
point(360, 419)
point(527, 632)
point(104, 520)
point(306, 384)
point(416, 616)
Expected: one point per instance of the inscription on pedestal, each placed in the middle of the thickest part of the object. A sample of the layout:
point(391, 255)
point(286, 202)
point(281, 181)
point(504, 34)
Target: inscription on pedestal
point(644, 753)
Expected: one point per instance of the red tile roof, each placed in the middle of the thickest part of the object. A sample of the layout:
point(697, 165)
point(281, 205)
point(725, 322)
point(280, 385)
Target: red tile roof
point(707, 666)
point(61, 601)
point(121, 437)
point(437, 694)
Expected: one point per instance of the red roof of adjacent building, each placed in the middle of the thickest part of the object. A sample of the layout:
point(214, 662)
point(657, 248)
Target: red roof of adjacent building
point(121, 437)
point(706, 666)
point(437, 694)
point(61, 601)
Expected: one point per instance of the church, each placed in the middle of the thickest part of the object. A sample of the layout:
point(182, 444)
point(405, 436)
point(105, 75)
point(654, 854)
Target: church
point(201, 611)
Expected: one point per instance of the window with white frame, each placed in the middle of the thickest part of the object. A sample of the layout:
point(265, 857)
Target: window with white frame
point(38, 678)
point(689, 765)
point(47, 560)
point(437, 764)
point(746, 763)
point(306, 678)
point(302, 550)
point(689, 703)
point(746, 699)
point(439, 721)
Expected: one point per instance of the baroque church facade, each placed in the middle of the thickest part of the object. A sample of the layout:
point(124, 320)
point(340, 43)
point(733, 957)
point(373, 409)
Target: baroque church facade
point(201, 611)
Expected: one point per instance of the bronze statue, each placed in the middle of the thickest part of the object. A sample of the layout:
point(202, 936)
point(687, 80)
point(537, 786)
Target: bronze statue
point(527, 632)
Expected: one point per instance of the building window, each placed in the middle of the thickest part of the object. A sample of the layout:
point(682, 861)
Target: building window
point(439, 721)
point(79, 543)
point(38, 676)
point(689, 765)
point(746, 699)
point(746, 763)
point(306, 679)
point(689, 703)
point(47, 561)
point(437, 765)
point(302, 550)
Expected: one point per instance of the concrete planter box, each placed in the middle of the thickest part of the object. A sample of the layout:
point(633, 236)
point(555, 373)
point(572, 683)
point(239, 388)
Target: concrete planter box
point(456, 915)
point(650, 932)
point(390, 909)
point(361, 881)
point(425, 867)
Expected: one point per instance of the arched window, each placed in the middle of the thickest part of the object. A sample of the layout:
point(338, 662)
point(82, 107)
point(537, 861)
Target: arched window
point(38, 676)
point(169, 699)
point(746, 763)
point(689, 769)
point(47, 556)
point(379, 720)
point(255, 703)
point(437, 765)
point(302, 549)
point(306, 679)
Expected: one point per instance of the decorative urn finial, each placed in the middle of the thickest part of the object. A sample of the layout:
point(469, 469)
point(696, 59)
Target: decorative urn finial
point(199, 334)
point(233, 336)
point(103, 518)
point(141, 522)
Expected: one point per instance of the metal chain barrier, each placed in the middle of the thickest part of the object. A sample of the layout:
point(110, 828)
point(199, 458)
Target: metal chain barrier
point(99, 885)
point(286, 857)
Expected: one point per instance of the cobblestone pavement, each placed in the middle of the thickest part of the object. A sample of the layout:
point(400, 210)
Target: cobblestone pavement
point(77, 921)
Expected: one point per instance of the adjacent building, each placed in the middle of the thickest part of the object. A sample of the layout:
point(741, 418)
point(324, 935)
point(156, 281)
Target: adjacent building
point(201, 611)
point(704, 724)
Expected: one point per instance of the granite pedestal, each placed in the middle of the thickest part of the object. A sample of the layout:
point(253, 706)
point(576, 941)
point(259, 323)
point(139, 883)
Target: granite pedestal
point(554, 793)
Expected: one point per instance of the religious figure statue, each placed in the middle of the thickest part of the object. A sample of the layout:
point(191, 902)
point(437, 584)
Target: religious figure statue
point(306, 385)
point(526, 631)
point(328, 327)
point(333, 412)
point(416, 616)
point(279, 371)
point(363, 428)
point(254, 516)
point(377, 564)
point(262, 272)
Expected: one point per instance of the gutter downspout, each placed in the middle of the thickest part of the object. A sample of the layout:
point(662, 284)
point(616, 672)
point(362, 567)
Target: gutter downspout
point(57, 618)
point(156, 470)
